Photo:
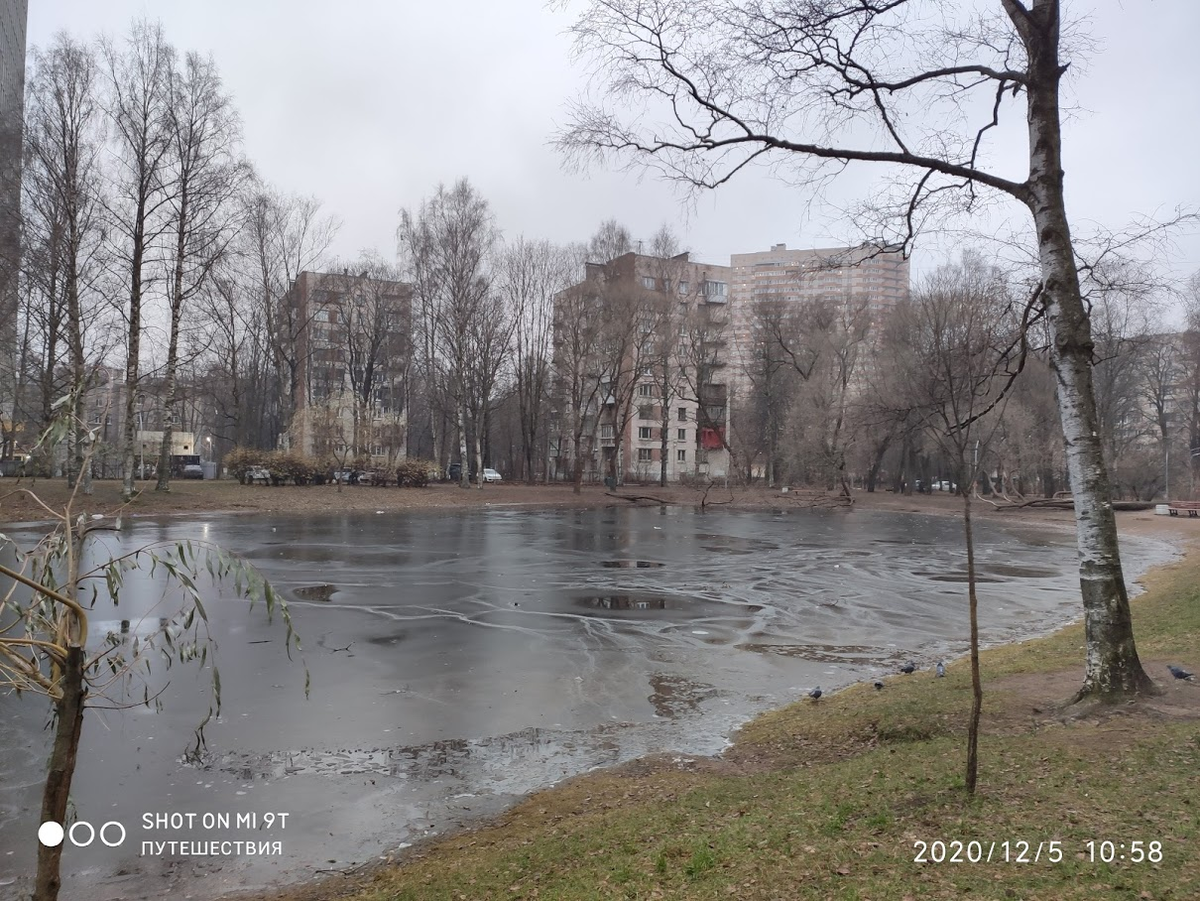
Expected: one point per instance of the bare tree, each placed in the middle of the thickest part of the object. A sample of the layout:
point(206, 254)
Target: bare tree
point(962, 350)
point(374, 310)
point(448, 243)
point(758, 414)
point(207, 175)
point(578, 322)
point(139, 79)
point(63, 186)
point(490, 337)
point(610, 241)
point(532, 272)
point(834, 82)
point(284, 235)
point(822, 339)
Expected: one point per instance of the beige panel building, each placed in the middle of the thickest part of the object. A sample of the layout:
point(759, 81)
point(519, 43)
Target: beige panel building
point(780, 274)
point(680, 308)
point(351, 331)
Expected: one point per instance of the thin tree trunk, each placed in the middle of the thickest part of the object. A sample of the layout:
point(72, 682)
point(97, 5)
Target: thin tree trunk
point(164, 453)
point(664, 448)
point(82, 468)
point(478, 456)
point(133, 357)
point(976, 683)
point(464, 475)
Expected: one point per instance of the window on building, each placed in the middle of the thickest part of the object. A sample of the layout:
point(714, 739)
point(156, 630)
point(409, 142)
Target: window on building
point(681, 455)
point(644, 433)
point(645, 454)
point(711, 288)
point(681, 434)
point(684, 287)
point(649, 283)
point(645, 411)
point(682, 414)
point(645, 391)
point(606, 430)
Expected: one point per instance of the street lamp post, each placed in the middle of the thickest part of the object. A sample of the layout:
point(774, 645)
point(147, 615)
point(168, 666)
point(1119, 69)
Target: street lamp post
point(208, 443)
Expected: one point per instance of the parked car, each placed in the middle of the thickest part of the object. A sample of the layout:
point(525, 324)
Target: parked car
point(257, 475)
point(192, 471)
point(490, 475)
point(945, 486)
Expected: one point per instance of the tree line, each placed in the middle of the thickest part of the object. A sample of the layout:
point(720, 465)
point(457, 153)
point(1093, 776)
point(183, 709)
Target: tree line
point(823, 403)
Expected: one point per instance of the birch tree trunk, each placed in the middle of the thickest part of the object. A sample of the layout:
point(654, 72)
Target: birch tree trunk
point(170, 388)
point(464, 469)
point(1112, 664)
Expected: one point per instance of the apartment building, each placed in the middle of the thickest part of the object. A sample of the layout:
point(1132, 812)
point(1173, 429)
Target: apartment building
point(853, 274)
point(352, 348)
point(655, 369)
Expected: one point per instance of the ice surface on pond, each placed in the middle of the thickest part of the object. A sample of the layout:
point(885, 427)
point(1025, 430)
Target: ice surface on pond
point(461, 660)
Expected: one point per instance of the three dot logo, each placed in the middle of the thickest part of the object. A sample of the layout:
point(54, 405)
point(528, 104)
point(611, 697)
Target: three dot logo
point(81, 834)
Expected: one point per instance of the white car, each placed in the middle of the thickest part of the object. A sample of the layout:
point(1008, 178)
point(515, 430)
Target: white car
point(490, 475)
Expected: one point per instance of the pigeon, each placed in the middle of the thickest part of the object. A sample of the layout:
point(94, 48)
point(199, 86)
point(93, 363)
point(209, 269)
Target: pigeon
point(815, 694)
point(879, 686)
point(1179, 672)
point(908, 668)
point(941, 669)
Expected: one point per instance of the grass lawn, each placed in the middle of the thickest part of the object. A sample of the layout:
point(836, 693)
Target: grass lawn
point(832, 800)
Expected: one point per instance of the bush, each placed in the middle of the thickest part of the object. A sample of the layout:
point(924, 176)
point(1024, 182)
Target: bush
point(289, 466)
point(414, 473)
point(241, 460)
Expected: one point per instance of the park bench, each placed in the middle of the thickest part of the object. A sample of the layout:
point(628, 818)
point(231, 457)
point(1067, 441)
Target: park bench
point(1192, 508)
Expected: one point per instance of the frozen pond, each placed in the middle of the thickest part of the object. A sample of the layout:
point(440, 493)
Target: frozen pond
point(461, 660)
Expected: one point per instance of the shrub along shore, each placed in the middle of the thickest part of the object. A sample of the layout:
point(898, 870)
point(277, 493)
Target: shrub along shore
point(860, 796)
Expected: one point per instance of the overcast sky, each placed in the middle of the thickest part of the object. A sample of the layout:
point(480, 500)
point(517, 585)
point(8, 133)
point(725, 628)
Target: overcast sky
point(369, 108)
